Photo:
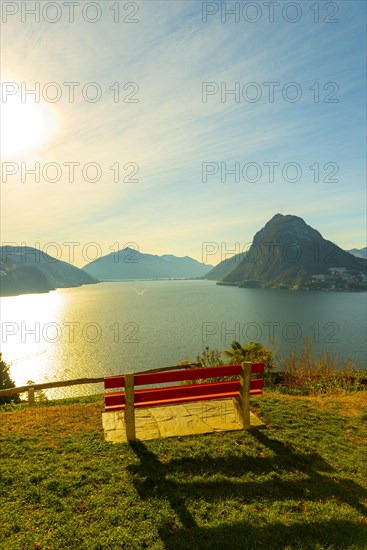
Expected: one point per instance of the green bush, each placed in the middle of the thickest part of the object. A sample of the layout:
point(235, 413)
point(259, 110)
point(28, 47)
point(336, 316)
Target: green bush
point(302, 372)
point(6, 383)
point(210, 358)
point(252, 351)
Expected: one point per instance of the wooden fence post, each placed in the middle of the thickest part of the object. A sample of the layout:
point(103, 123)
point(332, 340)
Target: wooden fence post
point(245, 380)
point(31, 397)
point(129, 407)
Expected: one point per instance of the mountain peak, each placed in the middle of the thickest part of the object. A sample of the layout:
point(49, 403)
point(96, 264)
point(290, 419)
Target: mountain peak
point(286, 218)
point(287, 252)
point(130, 263)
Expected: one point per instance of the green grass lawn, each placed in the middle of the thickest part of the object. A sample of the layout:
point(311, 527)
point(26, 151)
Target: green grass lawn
point(299, 484)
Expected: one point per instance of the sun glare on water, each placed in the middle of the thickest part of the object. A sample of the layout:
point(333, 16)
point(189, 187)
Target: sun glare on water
point(33, 334)
point(25, 126)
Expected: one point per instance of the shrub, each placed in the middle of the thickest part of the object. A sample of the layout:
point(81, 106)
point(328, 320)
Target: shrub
point(210, 358)
point(252, 351)
point(305, 372)
point(6, 383)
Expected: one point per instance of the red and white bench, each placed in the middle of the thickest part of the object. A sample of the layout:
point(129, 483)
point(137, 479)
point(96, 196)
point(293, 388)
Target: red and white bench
point(131, 396)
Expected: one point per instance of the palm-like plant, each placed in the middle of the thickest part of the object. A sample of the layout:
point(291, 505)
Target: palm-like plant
point(252, 351)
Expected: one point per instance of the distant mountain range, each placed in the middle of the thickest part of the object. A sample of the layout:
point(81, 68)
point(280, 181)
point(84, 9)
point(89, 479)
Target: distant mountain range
point(285, 253)
point(359, 252)
point(26, 270)
point(132, 264)
point(288, 253)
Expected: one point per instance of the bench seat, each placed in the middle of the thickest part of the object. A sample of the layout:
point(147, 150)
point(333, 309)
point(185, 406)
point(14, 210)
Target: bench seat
point(154, 397)
point(133, 397)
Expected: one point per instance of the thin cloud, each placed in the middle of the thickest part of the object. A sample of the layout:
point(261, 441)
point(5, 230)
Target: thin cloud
point(171, 132)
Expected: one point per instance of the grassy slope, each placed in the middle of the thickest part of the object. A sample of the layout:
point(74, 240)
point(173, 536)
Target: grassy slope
point(301, 483)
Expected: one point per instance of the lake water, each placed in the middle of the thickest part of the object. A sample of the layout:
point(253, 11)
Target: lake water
point(110, 328)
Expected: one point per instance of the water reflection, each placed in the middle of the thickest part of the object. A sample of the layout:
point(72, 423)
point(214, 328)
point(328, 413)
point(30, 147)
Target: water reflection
point(31, 326)
point(112, 328)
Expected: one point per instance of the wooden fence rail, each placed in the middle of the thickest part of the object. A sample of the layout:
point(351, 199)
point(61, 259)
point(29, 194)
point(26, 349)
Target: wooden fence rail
point(31, 388)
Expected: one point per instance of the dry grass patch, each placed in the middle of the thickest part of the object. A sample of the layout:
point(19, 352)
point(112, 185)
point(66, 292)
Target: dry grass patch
point(57, 419)
point(307, 371)
point(345, 403)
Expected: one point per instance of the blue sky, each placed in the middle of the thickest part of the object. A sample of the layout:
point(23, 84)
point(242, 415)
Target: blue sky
point(170, 132)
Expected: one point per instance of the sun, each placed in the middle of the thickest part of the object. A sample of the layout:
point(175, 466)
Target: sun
point(25, 127)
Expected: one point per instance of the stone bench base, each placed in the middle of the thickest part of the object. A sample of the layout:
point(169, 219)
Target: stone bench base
point(177, 420)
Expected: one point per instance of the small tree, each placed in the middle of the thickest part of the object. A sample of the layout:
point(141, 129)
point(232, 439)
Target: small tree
point(6, 383)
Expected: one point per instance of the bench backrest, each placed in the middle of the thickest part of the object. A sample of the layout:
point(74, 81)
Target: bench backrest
point(172, 394)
